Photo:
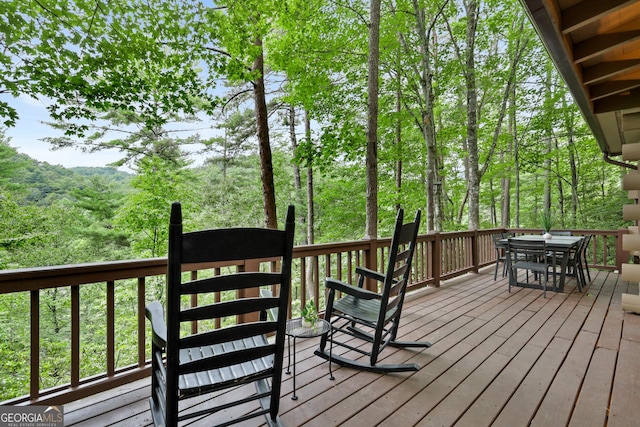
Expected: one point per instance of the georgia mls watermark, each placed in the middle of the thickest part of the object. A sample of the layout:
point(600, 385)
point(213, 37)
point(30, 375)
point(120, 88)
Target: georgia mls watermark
point(31, 416)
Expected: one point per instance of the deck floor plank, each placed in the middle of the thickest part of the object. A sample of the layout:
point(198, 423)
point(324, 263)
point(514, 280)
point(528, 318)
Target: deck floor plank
point(592, 406)
point(559, 400)
point(522, 405)
point(625, 410)
point(498, 358)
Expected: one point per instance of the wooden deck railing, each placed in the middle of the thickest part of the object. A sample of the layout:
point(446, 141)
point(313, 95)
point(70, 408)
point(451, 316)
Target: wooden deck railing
point(439, 257)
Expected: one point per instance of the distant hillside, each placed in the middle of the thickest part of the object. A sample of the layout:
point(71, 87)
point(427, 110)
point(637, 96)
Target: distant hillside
point(41, 183)
point(104, 171)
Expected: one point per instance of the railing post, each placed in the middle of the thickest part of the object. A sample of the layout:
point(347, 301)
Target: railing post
point(249, 265)
point(194, 303)
point(371, 262)
point(622, 256)
point(475, 255)
point(436, 259)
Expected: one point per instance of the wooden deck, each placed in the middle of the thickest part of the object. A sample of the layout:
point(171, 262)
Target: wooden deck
point(498, 358)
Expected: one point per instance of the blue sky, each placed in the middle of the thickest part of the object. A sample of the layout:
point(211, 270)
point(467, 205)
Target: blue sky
point(26, 136)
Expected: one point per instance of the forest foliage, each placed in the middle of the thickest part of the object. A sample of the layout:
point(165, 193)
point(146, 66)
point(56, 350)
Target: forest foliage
point(187, 125)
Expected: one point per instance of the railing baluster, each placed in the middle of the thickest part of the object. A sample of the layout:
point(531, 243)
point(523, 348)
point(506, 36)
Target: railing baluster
point(327, 265)
point(327, 270)
point(111, 346)
point(34, 383)
point(303, 282)
point(75, 335)
point(316, 282)
point(142, 347)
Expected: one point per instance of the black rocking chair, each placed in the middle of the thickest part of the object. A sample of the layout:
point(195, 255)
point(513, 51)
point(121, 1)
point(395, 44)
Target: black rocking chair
point(184, 365)
point(372, 316)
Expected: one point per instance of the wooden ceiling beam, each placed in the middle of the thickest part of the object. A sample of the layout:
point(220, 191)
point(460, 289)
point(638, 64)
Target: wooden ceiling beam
point(588, 11)
point(607, 70)
point(612, 88)
point(603, 43)
point(624, 101)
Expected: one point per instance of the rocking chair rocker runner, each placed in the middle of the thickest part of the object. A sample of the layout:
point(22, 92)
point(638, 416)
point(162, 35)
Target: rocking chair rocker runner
point(217, 359)
point(373, 316)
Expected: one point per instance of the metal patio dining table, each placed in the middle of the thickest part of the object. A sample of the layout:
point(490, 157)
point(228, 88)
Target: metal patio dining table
point(561, 245)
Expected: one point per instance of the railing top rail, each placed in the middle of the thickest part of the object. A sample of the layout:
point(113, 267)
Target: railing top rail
point(28, 279)
point(573, 231)
point(325, 248)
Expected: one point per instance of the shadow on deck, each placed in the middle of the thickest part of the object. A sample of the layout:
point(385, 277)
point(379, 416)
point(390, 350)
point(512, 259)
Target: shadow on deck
point(498, 358)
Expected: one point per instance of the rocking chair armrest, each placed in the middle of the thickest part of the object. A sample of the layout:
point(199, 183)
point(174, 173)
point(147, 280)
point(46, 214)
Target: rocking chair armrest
point(363, 271)
point(346, 288)
point(155, 313)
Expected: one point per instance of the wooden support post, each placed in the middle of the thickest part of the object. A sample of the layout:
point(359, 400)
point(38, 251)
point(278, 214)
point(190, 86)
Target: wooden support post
point(475, 259)
point(371, 262)
point(437, 260)
point(249, 265)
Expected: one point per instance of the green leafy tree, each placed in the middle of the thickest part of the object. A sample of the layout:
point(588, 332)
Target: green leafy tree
point(156, 60)
point(90, 58)
point(145, 212)
point(10, 163)
point(99, 199)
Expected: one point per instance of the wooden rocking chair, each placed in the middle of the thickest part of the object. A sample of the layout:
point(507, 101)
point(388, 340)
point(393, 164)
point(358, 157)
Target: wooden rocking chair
point(372, 316)
point(185, 366)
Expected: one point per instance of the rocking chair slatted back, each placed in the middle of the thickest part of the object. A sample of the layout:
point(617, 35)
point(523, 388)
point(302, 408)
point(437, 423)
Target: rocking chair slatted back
point(216, 359)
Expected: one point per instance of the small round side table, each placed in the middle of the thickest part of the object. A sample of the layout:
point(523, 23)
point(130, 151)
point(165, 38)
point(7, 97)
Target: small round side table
point(296, 330)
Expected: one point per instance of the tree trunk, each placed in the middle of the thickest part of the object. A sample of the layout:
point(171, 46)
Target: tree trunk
point(310, 210)
point(546, 203)
point(560, 212)
point(372, 122)
point(574, 181)
point(569, 124)
point(516, 167)
point(310, 261)
point(297, 182)
point(428, 123)
point(505, 218)
point(472, 121)
point(493, 211)
point(294, 146)
point(398, 170)
point(266, 163)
